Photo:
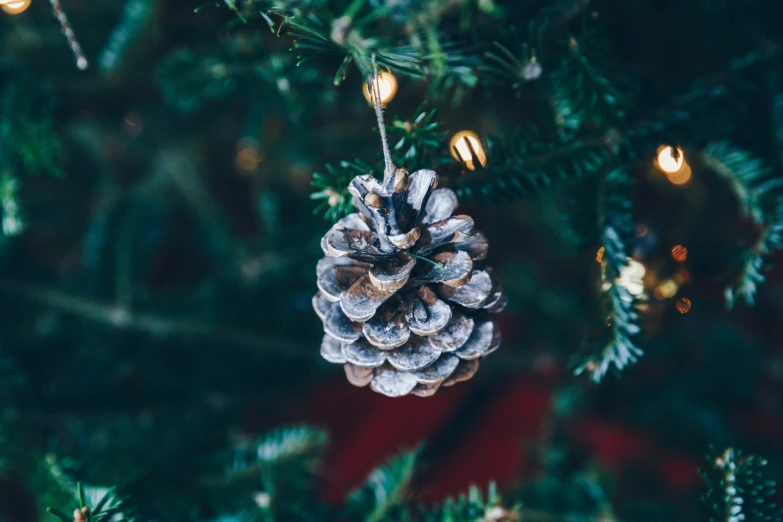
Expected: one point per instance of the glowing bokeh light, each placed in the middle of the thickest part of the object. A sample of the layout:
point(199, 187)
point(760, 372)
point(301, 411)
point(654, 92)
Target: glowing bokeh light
point(465, 147)
point(683, 305)
point(666, 160)
point(387, 87)
point(666, 289)
point(679, 253)
point(14, 6)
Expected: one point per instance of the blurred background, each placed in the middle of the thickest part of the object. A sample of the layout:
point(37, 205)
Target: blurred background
point(159, 247)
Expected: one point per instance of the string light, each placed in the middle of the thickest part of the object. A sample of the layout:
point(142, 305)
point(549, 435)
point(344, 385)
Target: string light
point(673, 165)
point(465, 147)
point(681, 177)
point(667, 161)
point(666, 289)
point(248, 155)
point(683, 305)
point(599, 256)
point(640, 231)
point(76, 49)
point(682, 275)
point(679, 253)
point(14, 7)
point(387, 86)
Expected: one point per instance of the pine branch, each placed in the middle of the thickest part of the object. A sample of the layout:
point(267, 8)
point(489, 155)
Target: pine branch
point(118, 317)
point(421, 138)
point(621, 284)
point(320, 32)
point(28, 140)
point(738, 490)
point(586, 92)
point(474, 507)
point(337, 202)
point(284, 462)
point(526, 165)
point(753, 185)
point(385, 489)
point(515, 67)
point(136, 18)
point(701, 95)
point(96, 504)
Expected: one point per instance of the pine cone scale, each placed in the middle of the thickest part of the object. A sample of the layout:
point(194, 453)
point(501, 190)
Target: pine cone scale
point(363, 354)
point(439, 371)
point(392, 274)
point(362, 299)
point(340, 327)
point(413, 356)
point(454, 335)
point(451, 230)
point(403, 298)
point(388, 329)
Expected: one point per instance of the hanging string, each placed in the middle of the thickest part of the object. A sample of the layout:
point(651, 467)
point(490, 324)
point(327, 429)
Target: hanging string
point(388, 170)
point(81, 60)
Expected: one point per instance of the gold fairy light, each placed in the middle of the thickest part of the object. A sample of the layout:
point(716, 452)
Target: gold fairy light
point(385, 83)
point(679, 253)
point(680, 177)
point(466, 148)
point(666, 289)
point(668, 161)
point(599, 256)
point(683, 305)
point(14, 7)
point(249, 155)
point(673, 164)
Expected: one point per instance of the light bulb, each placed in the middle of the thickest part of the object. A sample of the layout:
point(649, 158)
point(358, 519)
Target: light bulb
point(14, 6)
point(249, 155)
point(683, 305)
point(386, 86)
point(666, 160)
point(679, 253)
point(680, 177)
point(666, 289)
point(466, 148)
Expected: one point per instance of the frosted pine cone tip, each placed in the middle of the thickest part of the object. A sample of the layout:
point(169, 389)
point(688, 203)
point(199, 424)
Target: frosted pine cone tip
point(405, 303)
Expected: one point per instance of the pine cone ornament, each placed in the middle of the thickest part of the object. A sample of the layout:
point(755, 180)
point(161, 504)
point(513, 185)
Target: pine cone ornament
point(405, 304)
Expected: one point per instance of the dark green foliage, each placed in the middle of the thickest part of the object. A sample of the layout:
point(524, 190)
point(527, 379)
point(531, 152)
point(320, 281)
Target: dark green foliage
point(471, 507)
point(28, 140)
point(156, 315)
point(333, 188)
point(190, 79)
point(739, 491)
point(128, 34)
point(621, 284)
point(523, 164)
point(585, 92)
point(421, 139)
point(97, 505)
point(758, 195)
point(385, 491)
point(287, 461)
point(516, 67)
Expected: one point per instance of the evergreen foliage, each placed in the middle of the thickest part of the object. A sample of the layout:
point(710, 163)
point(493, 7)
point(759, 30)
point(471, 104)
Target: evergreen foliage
point(158, 250)
point(738, 488)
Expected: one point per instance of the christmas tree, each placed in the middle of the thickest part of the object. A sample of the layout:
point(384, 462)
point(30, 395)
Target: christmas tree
point(570, 209)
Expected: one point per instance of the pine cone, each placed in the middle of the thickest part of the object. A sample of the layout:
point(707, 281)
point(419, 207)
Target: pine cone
point(404, 302)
